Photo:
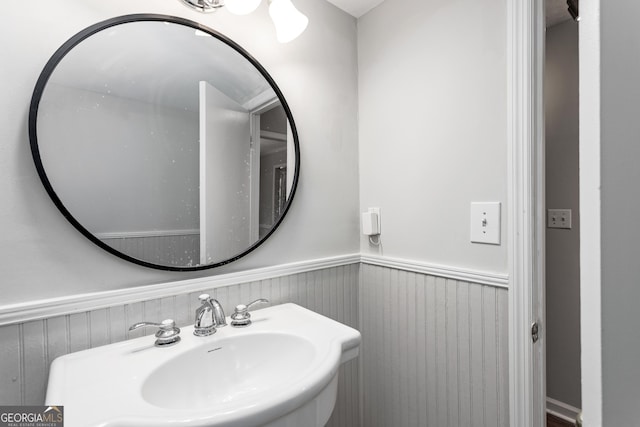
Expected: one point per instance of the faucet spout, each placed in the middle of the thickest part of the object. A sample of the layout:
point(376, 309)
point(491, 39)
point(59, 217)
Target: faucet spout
point(208, 316)
point(218, 314)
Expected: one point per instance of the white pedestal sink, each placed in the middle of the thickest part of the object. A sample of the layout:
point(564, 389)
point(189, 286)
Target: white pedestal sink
point(282, 371)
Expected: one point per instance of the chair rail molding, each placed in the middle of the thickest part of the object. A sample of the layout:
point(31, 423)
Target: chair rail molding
point(42, 309)
point(500, 280)
point(46, 308)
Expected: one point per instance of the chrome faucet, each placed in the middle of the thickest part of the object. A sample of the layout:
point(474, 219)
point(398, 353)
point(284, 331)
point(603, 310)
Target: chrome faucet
point(209, 316)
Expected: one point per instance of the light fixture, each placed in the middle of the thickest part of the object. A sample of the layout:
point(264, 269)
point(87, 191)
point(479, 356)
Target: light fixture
point(288, 20)
point(204, 6)
point(241, 7)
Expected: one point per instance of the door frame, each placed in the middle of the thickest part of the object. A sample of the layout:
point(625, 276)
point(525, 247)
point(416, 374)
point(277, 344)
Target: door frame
point(254, 165)
point(590, 213)
point(273, 186)
point(525, 55)
point(525, 201)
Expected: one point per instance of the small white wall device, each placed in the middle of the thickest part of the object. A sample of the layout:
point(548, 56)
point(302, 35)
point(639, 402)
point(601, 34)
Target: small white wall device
point(371, 222)
point(485, 222)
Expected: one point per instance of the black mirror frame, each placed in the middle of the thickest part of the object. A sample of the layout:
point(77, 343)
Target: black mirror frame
point(89, 31)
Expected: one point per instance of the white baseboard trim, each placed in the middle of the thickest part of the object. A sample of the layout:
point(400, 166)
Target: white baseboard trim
point(47, 308)
point(499, 280)
point(562, 410)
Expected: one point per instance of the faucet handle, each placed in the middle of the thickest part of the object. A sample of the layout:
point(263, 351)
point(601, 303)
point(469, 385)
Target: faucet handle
point(241, 316)
point(167, 333)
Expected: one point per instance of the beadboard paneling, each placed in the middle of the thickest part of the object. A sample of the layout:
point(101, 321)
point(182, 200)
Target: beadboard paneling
point(28, 348)
point(434, 351)
point(185, 248)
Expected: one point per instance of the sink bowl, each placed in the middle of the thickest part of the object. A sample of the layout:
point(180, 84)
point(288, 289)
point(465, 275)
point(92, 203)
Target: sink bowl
point(280, 371)
point(228, 371)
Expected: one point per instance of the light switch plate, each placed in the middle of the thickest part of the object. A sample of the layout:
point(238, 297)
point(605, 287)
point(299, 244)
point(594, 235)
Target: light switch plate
point(485, 222)
point(559, 218)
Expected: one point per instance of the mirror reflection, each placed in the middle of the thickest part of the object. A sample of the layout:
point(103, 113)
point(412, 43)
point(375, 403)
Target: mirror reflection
point(166, 144)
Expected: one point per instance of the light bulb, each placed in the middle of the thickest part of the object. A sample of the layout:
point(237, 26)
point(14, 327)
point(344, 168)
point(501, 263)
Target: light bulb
point(241, 7)
point(288, 20)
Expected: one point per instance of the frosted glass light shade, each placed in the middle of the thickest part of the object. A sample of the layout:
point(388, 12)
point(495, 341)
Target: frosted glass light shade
point(241, 7)
point(288, 20)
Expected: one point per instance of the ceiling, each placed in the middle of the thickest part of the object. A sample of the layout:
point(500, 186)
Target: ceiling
point(555, 10)
point(161, 63)
point(356, 8)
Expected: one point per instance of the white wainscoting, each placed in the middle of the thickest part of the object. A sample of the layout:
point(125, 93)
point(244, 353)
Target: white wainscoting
point(27, 348)
point(152, 246)
point(434, 351)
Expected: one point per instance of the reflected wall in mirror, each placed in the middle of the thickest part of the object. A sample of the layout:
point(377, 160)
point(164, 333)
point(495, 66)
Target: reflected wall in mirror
point(164, 142)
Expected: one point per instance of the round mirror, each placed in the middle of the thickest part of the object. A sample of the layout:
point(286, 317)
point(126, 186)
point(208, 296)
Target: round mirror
point(164, 142)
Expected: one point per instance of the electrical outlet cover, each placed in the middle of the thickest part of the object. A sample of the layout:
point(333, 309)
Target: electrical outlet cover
point(559, 218)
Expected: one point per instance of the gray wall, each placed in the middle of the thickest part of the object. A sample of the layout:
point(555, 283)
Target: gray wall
point(115, 195)
point(432, 121)
point(562, 192)
point(620, 210)
point(432, 95)
point(274, 120)
point(43, 256)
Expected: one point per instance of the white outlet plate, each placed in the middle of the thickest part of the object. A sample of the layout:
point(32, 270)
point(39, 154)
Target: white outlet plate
point(559, 218)
point(485, 222)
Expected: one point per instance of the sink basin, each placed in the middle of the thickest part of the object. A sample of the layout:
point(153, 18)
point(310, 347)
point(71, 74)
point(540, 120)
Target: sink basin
point(280, 371)
point(229, 370)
